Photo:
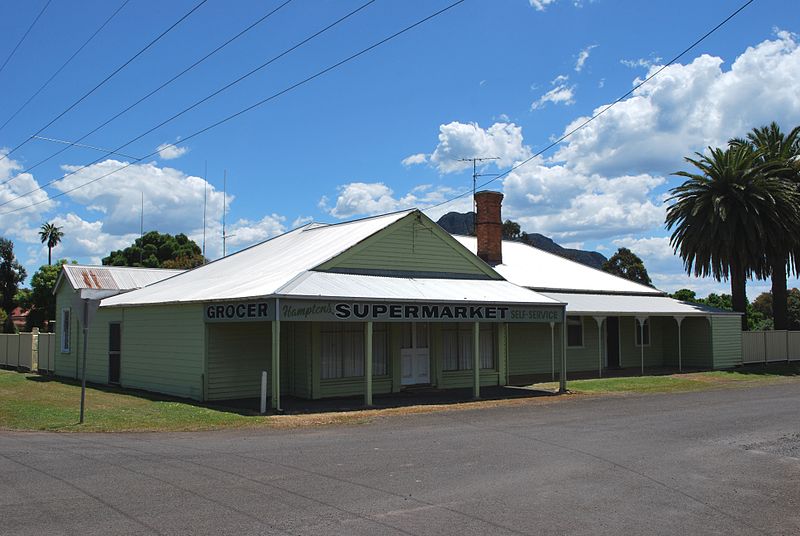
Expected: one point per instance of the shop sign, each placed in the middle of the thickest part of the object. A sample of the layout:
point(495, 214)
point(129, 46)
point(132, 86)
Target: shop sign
point(341, 311)
point(251, 311)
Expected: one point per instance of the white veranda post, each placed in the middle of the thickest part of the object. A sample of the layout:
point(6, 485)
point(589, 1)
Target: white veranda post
point(562, 380)
point(641, 320)
point(276, 360)
point(552, 351)
point(679, 320)
point(476, 360)
point(599, 320)
point(368, 364)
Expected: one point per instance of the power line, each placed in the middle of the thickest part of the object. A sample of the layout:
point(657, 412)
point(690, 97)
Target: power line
point(604, 110)
point(252, 106)
point(74, 144)
point(21, 39)
point(91, 37)
point(156, 90)
point(185, 110)
point(107, 78)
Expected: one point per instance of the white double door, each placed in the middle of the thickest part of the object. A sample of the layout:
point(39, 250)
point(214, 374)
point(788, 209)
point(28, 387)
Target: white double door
point(415, 356)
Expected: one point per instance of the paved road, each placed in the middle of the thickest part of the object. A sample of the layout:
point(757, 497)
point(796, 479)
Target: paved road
point(721, 462)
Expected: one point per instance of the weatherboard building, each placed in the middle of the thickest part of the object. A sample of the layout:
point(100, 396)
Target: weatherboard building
point(375, 306)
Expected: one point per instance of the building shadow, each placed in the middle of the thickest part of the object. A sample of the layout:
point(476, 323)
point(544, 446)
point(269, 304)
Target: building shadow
point(422, 396)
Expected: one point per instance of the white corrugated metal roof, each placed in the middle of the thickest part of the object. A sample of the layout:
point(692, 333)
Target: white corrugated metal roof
point(120, 278)
point(614, 304)
point(534, 268)
point(263, 269)
point(368, 287)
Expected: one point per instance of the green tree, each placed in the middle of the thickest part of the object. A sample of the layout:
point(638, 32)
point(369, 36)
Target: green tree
point(52, 235)
point(780, 151)
point(43, 301)
point(154, 249)
point(793, 302)
point(763, 304)
point(11, 275)
point(627, 264)
point(727, 215)
point(685, 294)
point(511, 230)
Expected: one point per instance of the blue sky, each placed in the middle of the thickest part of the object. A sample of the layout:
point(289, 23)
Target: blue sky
point(384, 132)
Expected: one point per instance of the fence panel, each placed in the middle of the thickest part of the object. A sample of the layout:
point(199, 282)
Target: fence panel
point(753, 347)
point(26, 356)
point(3, 349)
point(13, 350)
point(776, 344)
point(794, 346)
point(46, 351)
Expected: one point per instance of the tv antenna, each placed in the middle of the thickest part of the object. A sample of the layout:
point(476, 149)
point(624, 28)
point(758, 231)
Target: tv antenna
point(225, 237)
point(475, 176)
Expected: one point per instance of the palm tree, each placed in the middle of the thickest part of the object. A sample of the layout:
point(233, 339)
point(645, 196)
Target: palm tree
point(728, 215)
point(52, 235)
point(782, 151)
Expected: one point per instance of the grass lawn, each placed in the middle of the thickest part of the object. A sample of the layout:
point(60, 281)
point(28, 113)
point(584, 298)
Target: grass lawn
point(691, 381)
point(33, 402)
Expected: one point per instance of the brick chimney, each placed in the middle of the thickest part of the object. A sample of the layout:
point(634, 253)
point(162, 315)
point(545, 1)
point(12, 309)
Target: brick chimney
point(489, 228)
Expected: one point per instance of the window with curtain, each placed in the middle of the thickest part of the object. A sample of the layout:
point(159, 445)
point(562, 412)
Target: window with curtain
point(342, 350)
point(457, 347)
point(639, 334)
point(574, 331)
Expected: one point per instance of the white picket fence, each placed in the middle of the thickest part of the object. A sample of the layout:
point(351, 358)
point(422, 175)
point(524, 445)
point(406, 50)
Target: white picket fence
point(29, 351)
point(770, 346)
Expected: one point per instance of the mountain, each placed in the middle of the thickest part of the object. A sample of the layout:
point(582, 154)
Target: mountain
point(462, 224)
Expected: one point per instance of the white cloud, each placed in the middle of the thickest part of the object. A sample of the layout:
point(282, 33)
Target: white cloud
point(170, 151)
point(244, 233)
point(173, 201)
point(645, 63)
point(301, 220)
point(21, 191)
point(556, 201)
point(688, 107)
point(468, 140)
point(583, 55)
point(654, 248)
point(368, 198)
point(561, 94)
point(414, 159)
point(541, 5)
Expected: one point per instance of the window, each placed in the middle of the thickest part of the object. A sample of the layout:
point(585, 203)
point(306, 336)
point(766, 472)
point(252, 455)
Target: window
point(342, 349)
point(646, 334)
point(574, 332)
point(66, 332)
point(457, 347)
point(114, 351)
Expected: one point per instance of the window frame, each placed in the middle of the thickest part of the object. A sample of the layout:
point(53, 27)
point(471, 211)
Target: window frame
point(648, 335)
point(66, 334)
point(338, 329)
point(460, 328)
point(572, 318)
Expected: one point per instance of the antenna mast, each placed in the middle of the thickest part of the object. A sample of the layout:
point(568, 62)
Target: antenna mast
point(141, 230)
point(475, 176)
point(224, 207)
point(205, 204)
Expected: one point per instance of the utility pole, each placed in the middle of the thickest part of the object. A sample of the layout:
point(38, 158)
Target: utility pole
point(475, 176)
